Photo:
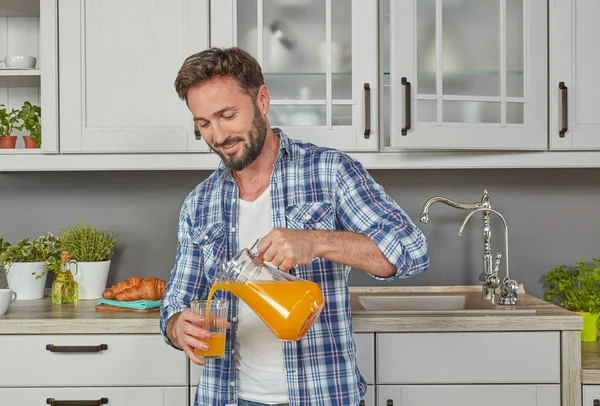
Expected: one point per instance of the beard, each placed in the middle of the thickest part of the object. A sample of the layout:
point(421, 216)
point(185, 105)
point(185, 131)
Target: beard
point(257, 136)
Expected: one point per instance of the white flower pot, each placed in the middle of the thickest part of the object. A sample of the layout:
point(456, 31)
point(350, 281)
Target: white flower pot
point(21, 280)
point(91, 278)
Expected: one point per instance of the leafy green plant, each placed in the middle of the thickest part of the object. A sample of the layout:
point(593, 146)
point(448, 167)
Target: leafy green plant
point(30, 121)
point(576, 288)
point(88, 244)
point(8, 121)
point(45, 248)
point(3, 245)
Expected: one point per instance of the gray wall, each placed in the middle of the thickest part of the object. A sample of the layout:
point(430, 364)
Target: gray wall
point(552, 216)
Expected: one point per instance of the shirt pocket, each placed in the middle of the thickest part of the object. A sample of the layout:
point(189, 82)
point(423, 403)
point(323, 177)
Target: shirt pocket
point(211, 241)
point(311, 216)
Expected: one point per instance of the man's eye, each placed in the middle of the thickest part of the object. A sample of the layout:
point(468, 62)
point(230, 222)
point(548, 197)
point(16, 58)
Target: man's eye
point(229, 117)
point(204, 125)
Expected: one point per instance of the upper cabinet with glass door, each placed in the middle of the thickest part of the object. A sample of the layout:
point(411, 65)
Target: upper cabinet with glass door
point(574, 74)
point(464, 74)
point(319, 60)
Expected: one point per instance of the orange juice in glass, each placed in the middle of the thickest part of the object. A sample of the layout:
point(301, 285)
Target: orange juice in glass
point(215, 321)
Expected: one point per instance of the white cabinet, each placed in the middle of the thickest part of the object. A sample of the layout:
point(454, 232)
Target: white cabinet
point(468, 357)
point(29, 29)
point(468, 395)
point(574, 79)
point(464, 74)
point(118, 62)
point(130, 396)
point(319, 60)
point(113, 369)
point(591, 395)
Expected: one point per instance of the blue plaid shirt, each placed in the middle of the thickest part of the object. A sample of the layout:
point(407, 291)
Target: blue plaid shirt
point(312, 188)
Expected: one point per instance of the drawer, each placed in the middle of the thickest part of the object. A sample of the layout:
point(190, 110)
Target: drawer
point(115, 396)
point(591, 394)
point(468, 357)
point(107, 360)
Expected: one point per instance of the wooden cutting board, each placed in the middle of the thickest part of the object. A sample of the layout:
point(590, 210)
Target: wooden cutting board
point(108, 308)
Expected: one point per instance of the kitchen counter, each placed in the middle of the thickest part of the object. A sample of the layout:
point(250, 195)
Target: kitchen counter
point(42, 317)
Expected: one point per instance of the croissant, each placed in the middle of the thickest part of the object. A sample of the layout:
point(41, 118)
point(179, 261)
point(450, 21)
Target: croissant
point(121, 286)
point(149, 289)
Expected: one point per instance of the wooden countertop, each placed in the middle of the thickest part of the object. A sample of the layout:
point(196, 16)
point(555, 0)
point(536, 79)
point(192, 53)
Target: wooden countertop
point(42, 317)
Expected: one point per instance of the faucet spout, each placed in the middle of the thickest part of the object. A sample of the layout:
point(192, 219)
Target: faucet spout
point(485, 202)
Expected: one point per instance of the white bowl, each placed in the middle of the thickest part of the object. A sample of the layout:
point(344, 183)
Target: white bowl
point(19, 61)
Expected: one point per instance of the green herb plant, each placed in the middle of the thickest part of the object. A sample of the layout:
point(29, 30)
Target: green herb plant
point(45, 248)
point(88, 244)
point(8, 121)
point(576, 288)
point(30, 121)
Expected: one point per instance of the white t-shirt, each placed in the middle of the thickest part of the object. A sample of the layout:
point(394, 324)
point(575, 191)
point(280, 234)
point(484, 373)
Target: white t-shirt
point(259, 361)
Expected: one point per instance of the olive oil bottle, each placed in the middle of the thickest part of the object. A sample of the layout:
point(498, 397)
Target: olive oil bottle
point(64, 289)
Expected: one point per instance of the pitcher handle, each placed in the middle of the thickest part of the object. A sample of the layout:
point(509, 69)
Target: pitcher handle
point(251, 249)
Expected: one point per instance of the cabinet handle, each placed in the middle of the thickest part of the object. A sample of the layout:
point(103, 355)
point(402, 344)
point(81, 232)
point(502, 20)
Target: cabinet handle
point(52, 402)
point(197, 133)
point(361, 403)
point(596, 402)
point(564, 117)
point(76, 348)
point(389, 402)
point(407, 100)
point(367, 111)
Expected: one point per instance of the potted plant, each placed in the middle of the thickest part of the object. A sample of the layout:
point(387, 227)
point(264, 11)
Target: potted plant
point(26, 265)
point(8, 122)
point(30, 121)
point(92, 249)
point(577, 289)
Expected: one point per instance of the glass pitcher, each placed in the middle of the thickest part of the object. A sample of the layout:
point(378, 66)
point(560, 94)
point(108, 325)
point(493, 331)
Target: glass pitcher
point(288, 305)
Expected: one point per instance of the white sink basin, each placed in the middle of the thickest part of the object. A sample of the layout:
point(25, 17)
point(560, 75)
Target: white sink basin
point(430, 304)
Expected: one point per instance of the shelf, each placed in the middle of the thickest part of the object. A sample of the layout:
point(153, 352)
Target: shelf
point(21, 151)
point(20, 8)
point(19, 77)
point(305, 73)
point(467, 74)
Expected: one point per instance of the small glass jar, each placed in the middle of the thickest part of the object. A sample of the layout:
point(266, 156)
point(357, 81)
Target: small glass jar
point(65, 289)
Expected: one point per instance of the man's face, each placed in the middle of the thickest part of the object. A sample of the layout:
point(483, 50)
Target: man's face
point(230, 121)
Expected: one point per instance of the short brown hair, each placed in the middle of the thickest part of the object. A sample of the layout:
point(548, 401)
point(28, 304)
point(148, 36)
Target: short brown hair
point(220, 63)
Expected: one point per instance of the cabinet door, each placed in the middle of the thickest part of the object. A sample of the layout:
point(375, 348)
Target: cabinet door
point(591, 395)
point(319, 60)
point(369, 398)
point(574, 79)
point(118, 61)
point(469, 395)
point(131, 396)
point(465, 74)
point(365, 355)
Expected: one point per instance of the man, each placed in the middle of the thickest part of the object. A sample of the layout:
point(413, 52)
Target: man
point(317, 213)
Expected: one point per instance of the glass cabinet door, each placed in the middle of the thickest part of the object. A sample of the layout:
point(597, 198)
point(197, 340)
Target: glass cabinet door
point(462, 74)
point(319, 60)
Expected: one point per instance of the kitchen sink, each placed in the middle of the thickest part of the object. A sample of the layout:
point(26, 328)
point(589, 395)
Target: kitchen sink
point(430, 304)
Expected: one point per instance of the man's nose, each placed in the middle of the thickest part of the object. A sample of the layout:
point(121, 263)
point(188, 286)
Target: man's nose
point(220, 134)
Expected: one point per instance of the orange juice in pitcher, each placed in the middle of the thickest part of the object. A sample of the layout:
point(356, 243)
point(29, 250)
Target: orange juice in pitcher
point(288, 305)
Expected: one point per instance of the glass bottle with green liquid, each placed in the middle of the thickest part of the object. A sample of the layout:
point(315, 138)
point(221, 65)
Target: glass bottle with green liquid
point(64, 289)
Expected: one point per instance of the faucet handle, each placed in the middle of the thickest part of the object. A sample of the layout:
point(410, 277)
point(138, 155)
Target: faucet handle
point(508, 292)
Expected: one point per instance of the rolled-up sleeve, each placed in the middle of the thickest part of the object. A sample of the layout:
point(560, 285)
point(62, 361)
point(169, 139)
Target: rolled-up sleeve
point(185, 281)
point(364, 207)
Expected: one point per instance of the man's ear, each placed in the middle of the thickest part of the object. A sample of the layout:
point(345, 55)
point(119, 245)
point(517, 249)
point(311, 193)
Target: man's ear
point(263, 99)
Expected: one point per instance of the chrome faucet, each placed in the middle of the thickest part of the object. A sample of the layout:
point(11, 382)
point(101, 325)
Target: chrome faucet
point(509, 287)
point(486, 203)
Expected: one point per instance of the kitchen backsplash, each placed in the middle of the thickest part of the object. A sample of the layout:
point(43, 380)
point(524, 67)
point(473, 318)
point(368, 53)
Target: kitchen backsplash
point(552, 217)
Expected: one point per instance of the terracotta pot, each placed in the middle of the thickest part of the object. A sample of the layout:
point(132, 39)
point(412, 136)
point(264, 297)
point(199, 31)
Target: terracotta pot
point(29, 143)
point(8, 142)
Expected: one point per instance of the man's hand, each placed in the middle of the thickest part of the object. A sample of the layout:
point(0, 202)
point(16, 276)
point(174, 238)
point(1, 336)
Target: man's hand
point(184, 332)
point(286, 247)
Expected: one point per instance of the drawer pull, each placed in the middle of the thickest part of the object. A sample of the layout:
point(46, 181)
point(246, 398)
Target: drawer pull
point(389, 402)
point(76, 348)
point(596, 402)
point(361, 403)
point(52, 402)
